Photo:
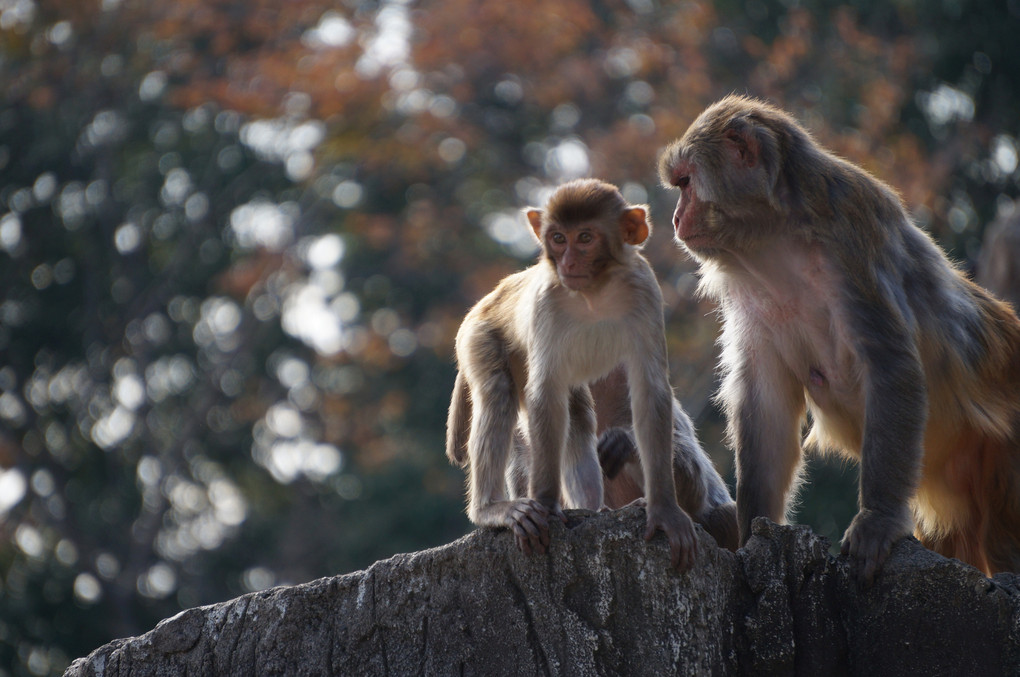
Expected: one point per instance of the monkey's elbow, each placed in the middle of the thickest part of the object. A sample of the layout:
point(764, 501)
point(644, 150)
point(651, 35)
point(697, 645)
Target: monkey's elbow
point(457, 456)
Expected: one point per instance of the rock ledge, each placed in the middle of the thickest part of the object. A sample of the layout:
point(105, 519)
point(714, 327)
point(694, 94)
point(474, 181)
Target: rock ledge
point(602, 602)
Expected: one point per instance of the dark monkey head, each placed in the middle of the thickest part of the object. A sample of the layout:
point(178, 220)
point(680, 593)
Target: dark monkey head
point(742, 168)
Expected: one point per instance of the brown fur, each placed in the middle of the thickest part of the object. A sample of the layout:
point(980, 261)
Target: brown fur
point(835, 304)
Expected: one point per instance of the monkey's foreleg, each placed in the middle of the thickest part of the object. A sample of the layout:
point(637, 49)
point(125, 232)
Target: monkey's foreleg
point(764, 406)
point(889, 476)
point(892, 449)
point(652, 409)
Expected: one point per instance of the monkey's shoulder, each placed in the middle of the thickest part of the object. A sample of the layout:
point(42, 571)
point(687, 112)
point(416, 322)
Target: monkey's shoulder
point(510, 291)
point(635, 282)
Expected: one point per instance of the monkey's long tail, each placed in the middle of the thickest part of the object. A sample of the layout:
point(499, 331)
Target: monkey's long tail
point(458, 422)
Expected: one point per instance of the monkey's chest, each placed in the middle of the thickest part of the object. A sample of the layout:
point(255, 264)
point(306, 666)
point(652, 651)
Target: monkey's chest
point(589, 351)
point(806, 341)
point(785, 319)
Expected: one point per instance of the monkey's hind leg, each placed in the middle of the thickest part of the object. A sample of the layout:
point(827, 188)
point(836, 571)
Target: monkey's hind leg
point(1002, 533)
point(700, 489)
point(986, 532)
point(519, 466)
point(492, 426)
point(582, 474)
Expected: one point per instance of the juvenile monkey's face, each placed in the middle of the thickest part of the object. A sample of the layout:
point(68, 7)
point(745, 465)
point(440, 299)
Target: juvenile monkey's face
point(579, 252)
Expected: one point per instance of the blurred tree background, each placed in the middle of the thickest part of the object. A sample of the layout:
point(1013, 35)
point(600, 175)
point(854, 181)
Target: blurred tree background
point(237, 238)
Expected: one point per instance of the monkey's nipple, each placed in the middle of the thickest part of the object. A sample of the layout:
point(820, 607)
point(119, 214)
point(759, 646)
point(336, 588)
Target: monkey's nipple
point(817, 378)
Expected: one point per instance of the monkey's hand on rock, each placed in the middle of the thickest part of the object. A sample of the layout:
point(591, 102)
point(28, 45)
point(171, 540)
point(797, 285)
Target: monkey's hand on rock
point(529, 520)
point(869, 538)
point(679, 530)
point(616, 448)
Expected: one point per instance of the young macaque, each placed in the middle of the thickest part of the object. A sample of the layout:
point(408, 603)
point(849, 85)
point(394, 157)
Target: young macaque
point(532, 345)
point(700, 490)
point(833, 302)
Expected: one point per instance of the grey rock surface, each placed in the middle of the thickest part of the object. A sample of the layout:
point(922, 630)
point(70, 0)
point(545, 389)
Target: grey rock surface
point(601, 602)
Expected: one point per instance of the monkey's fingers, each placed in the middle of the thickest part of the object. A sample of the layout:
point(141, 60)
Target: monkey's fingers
point(679, 530)
point(869, 558)
point(528, 506)
point(868, 564)
point(532, 522)
point(683, 550)
point(531, 525)
point(521, 536)
point(525, 542)
point(869, 540)
point(542, 519)
point(542, 535)
point(546, 511)
point(530, 539)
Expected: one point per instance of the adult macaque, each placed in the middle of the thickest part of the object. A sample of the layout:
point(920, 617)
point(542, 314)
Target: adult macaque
point(532, 345)
point(700, 490)
point(834, 302)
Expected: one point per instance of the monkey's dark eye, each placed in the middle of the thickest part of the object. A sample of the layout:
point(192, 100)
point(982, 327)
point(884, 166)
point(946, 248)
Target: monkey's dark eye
point(585, 238)
point(682, 181)
point(558, 238)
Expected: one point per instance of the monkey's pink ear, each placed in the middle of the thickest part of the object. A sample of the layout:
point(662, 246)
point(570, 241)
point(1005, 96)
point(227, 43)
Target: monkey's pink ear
point(535, 219)
point(634, 225)
point(743, 147)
